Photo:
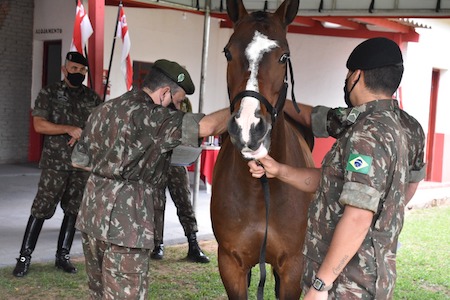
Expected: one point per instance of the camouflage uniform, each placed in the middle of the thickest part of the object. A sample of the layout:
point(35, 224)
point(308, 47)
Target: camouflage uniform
point(369, 167)
point(127, 142)
point(178, 184)
point(59, 181)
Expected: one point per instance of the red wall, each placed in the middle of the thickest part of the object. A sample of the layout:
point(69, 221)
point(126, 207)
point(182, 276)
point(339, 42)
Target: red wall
point(321, 147)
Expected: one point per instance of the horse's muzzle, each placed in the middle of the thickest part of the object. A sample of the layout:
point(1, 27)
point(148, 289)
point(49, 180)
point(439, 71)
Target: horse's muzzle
point(253, 143)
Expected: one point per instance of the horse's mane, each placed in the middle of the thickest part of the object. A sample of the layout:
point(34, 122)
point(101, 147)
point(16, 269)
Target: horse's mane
point(259, 15)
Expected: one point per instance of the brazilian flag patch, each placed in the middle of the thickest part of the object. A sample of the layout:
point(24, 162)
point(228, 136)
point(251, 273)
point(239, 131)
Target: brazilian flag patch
point(359, 163)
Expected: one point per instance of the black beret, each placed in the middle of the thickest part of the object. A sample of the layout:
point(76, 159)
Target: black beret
point(77, 58)
point(177, 73)
point(374, 53)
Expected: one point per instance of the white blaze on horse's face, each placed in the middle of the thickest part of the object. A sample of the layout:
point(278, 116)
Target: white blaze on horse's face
point(250, 106)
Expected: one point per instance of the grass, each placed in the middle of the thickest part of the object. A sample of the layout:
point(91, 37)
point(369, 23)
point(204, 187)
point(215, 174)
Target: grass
point(423, 265)
point(423, 261)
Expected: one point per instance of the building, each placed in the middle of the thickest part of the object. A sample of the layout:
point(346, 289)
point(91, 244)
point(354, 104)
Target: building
point(36, 35)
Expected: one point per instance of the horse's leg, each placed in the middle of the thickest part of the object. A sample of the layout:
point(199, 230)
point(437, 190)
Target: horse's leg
point(234, 277)
point(277, 284)
point(289, 282)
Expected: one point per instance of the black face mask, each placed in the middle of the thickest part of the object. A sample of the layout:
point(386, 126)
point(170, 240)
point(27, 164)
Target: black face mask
point(75, 79)
point(347, 92)
point(172, 106)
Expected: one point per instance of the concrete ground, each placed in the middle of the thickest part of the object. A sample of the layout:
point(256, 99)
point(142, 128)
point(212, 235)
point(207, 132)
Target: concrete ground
point(18, 185)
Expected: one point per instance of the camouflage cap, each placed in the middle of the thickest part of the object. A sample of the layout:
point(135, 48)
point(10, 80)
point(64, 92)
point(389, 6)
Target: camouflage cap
point(77, 57)
point(375, 53)
point(177, 73)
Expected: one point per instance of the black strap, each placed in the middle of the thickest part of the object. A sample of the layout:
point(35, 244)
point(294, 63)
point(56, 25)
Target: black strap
point(256, 95)
point(262, 253)
point(291, 74)
point(273, 110)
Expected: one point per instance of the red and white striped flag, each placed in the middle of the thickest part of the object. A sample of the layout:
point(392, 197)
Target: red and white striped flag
point(82, 29)
point(126, 65)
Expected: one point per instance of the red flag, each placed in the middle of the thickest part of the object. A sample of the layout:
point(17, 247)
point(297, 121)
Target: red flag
point(82, 29)
point(126, 65)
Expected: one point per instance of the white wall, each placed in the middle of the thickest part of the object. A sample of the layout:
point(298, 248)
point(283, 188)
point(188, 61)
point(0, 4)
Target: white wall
point(57, 18)
point(318, 61)
point(319, 65)
point(173, 35)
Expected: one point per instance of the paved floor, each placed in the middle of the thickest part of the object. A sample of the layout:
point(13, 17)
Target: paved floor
point(18, 185)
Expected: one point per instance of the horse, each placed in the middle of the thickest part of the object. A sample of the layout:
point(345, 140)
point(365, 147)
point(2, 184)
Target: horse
point(258, 60)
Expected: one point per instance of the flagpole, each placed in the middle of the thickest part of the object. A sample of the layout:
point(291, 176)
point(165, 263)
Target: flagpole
point(91, 84)
point(112, 51)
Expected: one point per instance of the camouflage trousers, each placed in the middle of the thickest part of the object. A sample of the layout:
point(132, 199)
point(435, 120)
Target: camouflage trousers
point(178, 185)
point(65, 187)
point(115, 272)
point(343, 287)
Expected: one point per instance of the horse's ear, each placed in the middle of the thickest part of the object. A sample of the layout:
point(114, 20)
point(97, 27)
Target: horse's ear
point(287, 11)
point(236, 10)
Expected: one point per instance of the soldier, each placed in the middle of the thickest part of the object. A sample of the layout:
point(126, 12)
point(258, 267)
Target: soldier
point(367, 178)
point(60, 113)
point(178, 184)
point(127, 144)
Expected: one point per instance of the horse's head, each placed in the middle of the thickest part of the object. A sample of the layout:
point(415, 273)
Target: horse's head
point(257, 55)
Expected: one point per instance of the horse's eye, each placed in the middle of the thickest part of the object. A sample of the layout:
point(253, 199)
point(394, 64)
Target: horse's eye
point(284, 58)
point(227, 54)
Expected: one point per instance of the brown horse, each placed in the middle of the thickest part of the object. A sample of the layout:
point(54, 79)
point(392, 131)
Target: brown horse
point(258, 58)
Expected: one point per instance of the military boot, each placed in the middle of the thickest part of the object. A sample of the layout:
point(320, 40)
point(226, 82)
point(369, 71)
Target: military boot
point(195, 254)
point(66, 234)
point(158, 251)
point(30, 238)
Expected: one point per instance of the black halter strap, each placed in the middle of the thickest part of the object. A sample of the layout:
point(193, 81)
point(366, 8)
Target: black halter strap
point(273, 110)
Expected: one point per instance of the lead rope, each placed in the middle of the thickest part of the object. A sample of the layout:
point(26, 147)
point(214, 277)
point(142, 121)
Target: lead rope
point(262, 253)
point(265, 181)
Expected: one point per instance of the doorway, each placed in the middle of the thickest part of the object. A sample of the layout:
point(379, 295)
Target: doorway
point(51, 72)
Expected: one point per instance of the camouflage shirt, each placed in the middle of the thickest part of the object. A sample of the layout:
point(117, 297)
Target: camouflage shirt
point(367, 167)
point(60, 104)
point(334, 121)
point(128, 142)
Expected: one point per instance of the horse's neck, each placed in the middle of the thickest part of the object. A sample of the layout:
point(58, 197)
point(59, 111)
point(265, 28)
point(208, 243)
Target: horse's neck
point(288, 138)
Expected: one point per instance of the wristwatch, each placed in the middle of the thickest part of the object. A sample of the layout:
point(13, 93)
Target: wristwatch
point(320, 286)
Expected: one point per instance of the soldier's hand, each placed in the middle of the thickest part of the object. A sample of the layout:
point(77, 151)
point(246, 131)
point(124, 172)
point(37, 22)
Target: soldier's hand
point(74, 132)
point(72, 142)
point(266, 165)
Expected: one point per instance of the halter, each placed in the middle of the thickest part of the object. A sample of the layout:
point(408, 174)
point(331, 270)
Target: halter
point(273, 110)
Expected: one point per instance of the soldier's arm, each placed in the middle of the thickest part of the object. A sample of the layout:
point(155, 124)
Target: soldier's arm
point(323, 121)
point(410, 191)
point(348, 236)
point(42, 126)
point(304, 179)
point(304, 117)
point(214, 123)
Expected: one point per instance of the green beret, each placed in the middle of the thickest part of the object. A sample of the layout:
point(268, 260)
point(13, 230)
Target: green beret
point(77, 58)
point(177, 73)
point(375, 53)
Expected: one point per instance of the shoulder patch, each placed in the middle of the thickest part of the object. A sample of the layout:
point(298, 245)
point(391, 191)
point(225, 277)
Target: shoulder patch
point(359, 163)
point(353, 115)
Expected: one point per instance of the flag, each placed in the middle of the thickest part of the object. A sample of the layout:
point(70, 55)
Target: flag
point(82, 29)
point(126, 66)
